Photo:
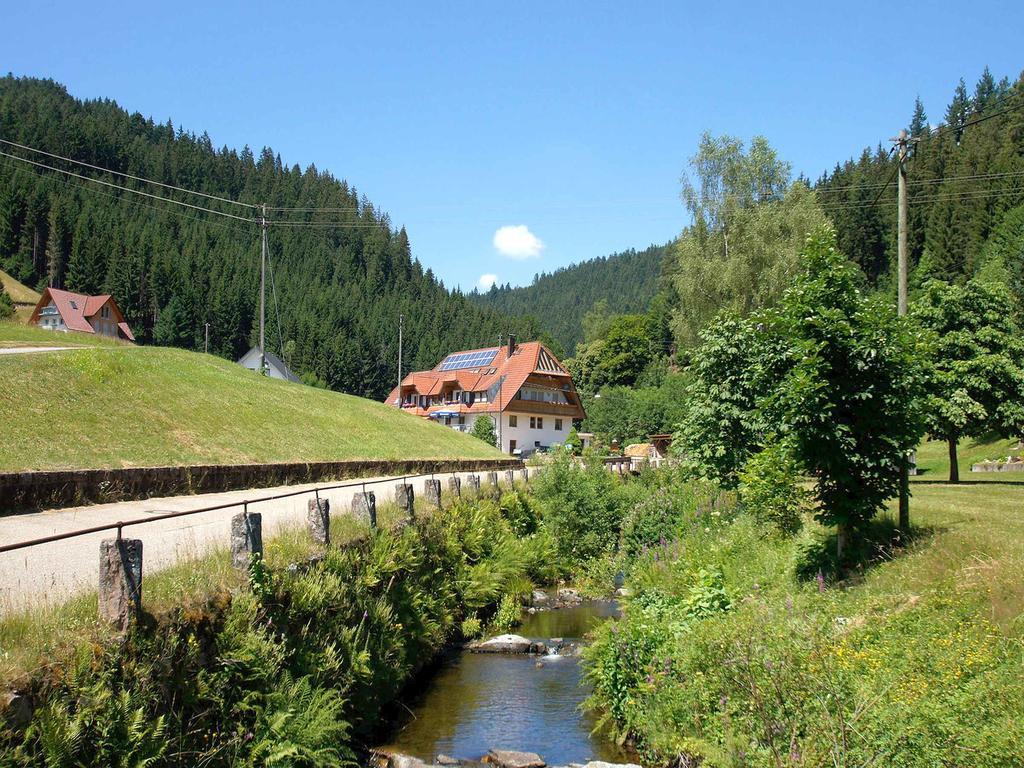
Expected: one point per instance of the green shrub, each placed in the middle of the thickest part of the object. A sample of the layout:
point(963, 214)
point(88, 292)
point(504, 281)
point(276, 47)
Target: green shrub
point(507, 617)
point(583, 506)
point(666, 509)
point(770, 490)
point(471, 628)
point(518, 510)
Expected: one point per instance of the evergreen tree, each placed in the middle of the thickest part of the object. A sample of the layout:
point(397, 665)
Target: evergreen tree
point(919, 120)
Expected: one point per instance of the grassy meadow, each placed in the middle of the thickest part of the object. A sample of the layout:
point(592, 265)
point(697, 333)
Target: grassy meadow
point(116, 405)
point(913, 657)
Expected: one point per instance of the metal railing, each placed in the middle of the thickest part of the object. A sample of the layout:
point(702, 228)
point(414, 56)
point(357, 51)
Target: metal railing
point(244, 504)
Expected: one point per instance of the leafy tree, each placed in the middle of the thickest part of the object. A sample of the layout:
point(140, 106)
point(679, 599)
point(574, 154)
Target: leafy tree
point(745, 267)
point(630, 414)
point(573, 442)
point(726, 178)
point(977, 372)
point(849, 402)
point(483, 429)
point(626, 351)
point(733, 370)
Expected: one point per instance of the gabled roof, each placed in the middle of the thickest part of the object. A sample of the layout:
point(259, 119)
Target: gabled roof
point(508, 373)
point(273, 361)
point(76, 308)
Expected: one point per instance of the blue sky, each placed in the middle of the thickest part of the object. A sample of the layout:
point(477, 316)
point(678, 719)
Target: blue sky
point(513, 138)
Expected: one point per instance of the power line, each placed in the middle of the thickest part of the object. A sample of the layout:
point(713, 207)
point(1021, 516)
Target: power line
point(128, 201)
point(127, 175)
point(127, 189)
point(969, 194)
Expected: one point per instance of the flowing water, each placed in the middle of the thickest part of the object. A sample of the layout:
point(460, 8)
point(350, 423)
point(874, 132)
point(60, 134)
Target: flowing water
point(476, 701)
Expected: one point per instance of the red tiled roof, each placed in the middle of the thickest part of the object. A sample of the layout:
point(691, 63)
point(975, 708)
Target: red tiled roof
point(76, 308)
point(528, 359)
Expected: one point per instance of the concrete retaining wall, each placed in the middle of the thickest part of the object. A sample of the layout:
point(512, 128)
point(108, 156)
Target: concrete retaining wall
point(26, 491)
point(998, 466)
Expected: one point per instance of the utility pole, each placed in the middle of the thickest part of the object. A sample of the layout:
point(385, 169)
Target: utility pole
point(206, 343)
point(901, 304)
point(500, 417)
point(263, 290)
point(401, 322)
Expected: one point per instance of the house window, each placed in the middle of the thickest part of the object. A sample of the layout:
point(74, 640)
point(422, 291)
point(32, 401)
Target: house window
point(511, 445)
point(105, 312)
point(513, 421)
point(462, 419)
point(558, 425)
point(540, 422)
point(533, 422)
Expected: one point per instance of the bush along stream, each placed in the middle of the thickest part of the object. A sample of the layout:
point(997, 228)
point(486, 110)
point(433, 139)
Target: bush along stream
point(294, 669)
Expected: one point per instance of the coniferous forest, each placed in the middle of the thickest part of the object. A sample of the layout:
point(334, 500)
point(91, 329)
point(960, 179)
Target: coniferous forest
point(625, 281)
point(341, 276)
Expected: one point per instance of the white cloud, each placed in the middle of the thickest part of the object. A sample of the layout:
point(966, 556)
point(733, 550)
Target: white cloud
point(517, 242)
point(486, 281)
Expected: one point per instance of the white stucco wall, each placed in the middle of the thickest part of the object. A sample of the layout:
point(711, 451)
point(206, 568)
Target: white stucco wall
point(526, 437)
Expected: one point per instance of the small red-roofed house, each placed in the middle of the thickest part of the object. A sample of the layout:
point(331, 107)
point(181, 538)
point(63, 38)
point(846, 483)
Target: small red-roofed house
point(59, 310)
point(524, 388)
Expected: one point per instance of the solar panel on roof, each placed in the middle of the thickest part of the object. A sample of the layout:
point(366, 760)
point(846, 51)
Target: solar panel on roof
point(461, 360)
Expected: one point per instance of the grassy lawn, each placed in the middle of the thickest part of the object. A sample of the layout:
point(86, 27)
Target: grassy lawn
point(19, 292)
point(114, 405)
point(17, 334)
point(916, 657)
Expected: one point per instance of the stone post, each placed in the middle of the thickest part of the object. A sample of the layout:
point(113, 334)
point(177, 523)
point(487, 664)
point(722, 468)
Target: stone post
point(364, 508)
point(492, 484)
point(510, 477)
point(455, 486)
point(318, 517)
point(120, 581)
point(525, 474)
point(246, 538)
point(432, 492)
point(474, 484)
point(405, 500)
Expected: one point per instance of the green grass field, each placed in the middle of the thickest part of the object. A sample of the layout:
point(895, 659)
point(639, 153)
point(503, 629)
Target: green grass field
point(19, 292)
point(116, 405)
point(914, 657)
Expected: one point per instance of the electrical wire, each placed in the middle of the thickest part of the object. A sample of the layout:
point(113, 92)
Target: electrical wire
point(231, 226)
point(127, 175)
point(127, 189)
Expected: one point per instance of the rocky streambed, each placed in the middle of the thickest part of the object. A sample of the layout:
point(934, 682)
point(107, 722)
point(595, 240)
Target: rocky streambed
point(510, 701)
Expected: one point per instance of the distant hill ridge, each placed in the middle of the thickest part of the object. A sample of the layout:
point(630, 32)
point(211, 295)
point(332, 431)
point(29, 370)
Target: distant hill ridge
point(559, 300)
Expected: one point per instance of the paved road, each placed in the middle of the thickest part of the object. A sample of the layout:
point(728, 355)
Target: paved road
point(50, 573)
point(26, 350)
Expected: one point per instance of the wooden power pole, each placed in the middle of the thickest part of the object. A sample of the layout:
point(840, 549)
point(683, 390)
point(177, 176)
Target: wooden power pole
point(401, 323)
point(263, 291)
point(901, 304)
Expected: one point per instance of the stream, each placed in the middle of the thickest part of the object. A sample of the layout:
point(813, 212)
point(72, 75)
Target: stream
point(476, 701)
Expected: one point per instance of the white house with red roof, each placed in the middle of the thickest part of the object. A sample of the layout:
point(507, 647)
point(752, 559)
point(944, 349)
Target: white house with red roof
point(59, 310)
point(524, 388)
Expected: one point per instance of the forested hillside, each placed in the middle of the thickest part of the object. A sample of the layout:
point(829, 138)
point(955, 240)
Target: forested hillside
point(750, 221)
point(626, 281)
point(342, 273)
point(965, 177)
